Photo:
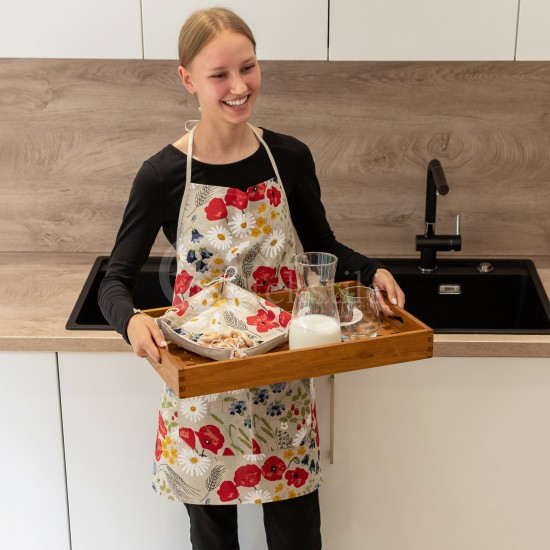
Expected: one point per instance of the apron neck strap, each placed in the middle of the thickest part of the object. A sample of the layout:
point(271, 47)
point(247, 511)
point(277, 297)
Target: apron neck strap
point(258, 137)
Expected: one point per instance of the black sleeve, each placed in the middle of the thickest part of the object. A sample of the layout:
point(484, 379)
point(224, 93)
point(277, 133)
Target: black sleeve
point(142, 220)
point(315, 234)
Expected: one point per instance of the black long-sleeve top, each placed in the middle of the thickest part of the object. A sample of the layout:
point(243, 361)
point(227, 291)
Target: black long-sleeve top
point(155, 200)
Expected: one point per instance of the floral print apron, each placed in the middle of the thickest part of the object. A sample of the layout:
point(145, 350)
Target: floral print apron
point(252, 445)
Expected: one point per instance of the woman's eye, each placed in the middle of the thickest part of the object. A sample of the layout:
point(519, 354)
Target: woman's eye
point(219, 75)
point(247, 68)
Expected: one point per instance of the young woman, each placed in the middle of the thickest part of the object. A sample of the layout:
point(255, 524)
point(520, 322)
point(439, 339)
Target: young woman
point(228, 193)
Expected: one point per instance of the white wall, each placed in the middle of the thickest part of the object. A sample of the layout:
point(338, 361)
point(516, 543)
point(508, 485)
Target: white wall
point(285, 29)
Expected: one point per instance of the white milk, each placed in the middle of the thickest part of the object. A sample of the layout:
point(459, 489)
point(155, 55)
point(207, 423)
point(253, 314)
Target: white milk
point(313, 330)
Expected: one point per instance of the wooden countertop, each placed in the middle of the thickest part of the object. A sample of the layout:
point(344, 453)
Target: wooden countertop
point(38, 293)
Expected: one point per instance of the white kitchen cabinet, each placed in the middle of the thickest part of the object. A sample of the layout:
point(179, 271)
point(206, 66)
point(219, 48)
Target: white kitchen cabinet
point(283, 29)
point(443, 453)
point(33, 503)
point(71, 29)
point(423, 30)
point(110, 418)
point(533, 36)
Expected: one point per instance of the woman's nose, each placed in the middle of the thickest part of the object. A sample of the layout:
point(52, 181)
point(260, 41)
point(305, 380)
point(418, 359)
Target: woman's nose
point(238, 85)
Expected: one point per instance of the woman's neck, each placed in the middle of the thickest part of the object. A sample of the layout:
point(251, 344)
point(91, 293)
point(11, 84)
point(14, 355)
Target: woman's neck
point(223, 145)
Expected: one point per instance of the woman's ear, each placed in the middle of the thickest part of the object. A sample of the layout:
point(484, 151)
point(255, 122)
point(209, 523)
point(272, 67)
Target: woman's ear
point(185, 78)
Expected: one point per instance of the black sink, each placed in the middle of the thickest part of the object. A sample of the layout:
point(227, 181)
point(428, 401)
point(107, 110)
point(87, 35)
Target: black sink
point(456, 298)
point(153, 289)
point(508, 298)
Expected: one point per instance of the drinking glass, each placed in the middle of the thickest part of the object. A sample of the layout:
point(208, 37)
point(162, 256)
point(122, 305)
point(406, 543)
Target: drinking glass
point(359, 313)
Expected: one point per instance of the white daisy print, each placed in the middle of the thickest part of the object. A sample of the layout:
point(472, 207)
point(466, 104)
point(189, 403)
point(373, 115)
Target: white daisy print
point(193, 463)
point(211, 397)
point(284, 425)
point(216, 262)
point(215, 322)
point(254, 458)
point(273, 244)
point(242, 223)
point(299, 436)
point(193, 408)
point(195, 324)
point(219, 237)
point(220, 302)
point(236, 298)
point(234, 251)
point(258, 496)
point(236, 392)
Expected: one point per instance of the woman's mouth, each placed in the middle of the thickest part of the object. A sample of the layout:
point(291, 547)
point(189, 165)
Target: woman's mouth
point(237, 102)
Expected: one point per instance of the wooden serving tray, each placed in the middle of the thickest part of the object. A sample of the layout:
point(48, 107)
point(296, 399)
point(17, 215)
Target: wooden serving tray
point(401, 338)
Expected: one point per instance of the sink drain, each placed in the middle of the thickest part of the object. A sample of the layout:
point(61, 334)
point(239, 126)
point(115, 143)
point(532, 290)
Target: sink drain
point(485, 267)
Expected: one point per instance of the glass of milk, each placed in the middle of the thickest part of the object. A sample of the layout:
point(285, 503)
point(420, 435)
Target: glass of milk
point(315, 317)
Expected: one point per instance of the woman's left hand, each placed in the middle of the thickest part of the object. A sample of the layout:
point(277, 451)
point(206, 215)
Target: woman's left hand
point(384, 280)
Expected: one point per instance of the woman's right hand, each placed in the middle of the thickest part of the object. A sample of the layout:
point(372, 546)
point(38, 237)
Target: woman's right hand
point(145, 336)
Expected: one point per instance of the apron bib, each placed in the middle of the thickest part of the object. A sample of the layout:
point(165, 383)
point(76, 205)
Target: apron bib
point(252, 445)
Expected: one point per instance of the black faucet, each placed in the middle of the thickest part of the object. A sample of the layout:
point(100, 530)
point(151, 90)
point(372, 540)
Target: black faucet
point(429, 243)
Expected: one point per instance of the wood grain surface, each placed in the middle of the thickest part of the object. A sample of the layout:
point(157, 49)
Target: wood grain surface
point(401, 338)
point(73, 133)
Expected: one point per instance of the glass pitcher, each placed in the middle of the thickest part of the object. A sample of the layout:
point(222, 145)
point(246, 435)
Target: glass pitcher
point(315, 317)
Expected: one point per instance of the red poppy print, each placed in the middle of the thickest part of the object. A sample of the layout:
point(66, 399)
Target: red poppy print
point(228, 452)
point(256, 450)
point(274, 196)
point(180, 306)
point(227, 491)
point(284, 318)
point(162, 426)
point(211, 438)
point(296, 477)
point(216, 210)
point(289, 277)
point(188, 435)
point(183, 280)
point(266, 278)
point(247, 476)
point(158, 449)
point(236, 198)
point(194, 290)
point(273, 468)
point(263, 320)
point(257, 192)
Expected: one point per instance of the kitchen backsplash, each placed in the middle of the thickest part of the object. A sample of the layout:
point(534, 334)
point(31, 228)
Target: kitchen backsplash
point(73, 133)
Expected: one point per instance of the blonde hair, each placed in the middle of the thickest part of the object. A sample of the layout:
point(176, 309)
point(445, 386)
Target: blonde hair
point(202, 26)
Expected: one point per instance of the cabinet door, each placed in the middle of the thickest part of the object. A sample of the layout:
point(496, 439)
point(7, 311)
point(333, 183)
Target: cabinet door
point(68, 29)
point(110, 418)
point(448, 453)
point(33, 500)
point(283, 29)
point(422, 30)
point(533, 35)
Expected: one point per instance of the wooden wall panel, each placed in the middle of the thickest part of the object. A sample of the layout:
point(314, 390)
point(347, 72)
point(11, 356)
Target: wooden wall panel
point(73, 133)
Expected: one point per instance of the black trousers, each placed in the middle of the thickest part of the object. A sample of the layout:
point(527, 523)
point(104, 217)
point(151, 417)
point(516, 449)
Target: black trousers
point(293, 524)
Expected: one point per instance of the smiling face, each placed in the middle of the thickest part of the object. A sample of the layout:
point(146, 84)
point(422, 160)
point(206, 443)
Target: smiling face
point(226, 77)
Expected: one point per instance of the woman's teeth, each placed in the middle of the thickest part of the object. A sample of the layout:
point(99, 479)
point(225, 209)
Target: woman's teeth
point(237, 102)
